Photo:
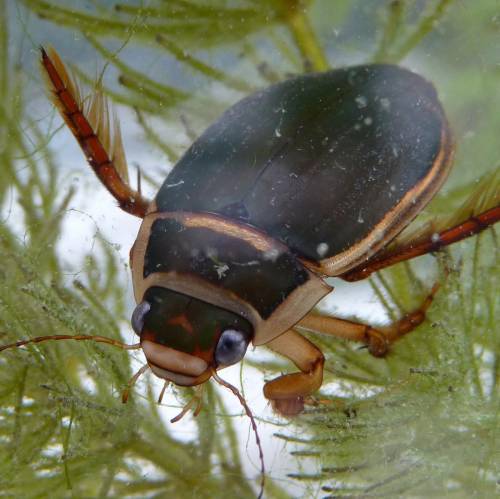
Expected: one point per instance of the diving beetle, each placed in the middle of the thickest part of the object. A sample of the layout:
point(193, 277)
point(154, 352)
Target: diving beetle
point(311, 177)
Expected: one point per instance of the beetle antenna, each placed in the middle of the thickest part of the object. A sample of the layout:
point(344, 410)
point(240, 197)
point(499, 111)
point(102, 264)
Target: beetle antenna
point(252, 421)
point(139, 181)
point(132, 382)
point(76, 337)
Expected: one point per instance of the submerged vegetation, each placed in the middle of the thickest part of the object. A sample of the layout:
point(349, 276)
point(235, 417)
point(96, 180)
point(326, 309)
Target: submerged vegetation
point(423, 422)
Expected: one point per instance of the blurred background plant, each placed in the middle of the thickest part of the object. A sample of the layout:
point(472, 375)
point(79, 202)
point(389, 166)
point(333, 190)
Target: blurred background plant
point(423, 422)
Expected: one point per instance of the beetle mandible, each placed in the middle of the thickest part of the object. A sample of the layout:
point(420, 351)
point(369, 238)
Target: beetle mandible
point(308, 178)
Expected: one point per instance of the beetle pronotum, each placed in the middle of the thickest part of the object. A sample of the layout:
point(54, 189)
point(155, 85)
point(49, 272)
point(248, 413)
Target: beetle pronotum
point(311, 177)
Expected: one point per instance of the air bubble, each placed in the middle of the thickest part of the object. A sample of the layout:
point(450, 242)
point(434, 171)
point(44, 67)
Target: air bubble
point(361, 101)
point(385, 103)
point(322, 249)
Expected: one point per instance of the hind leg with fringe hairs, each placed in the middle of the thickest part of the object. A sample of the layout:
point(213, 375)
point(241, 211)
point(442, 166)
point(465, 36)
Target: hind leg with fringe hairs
point(428, 243)
point(97, 131)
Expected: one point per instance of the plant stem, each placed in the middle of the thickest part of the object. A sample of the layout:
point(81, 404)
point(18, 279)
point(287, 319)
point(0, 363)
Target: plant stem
point(425, 27)
point(393, 23)
point(304, 36)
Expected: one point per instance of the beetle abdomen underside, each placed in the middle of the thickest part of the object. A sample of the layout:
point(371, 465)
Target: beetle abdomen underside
point(318, 161)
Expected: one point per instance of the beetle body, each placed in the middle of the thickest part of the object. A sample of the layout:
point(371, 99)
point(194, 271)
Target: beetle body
point(309, 178)
point(306, 178)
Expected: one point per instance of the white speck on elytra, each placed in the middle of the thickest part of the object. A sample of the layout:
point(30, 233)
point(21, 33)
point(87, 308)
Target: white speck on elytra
point(361, 101)
point(221, 270)
point(385, 103)
point(271, 254)
point(177, 184)
point(321, 249)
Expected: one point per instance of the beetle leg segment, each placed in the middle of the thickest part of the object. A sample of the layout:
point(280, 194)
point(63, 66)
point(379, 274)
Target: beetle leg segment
point(90, 121)
point(434, 242)
point(196, 401)
point(166, 384)
point(378, 339)
point(287, 392)
point(132, 382)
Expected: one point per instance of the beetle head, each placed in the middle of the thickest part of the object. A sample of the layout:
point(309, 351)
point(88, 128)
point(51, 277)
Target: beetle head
point(184, 338)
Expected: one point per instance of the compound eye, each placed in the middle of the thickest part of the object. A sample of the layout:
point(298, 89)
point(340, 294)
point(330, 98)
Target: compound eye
point(138, 316)
point(231, 347)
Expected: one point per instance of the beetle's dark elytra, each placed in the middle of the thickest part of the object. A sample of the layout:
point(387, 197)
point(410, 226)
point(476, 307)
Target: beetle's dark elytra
point(316, 161)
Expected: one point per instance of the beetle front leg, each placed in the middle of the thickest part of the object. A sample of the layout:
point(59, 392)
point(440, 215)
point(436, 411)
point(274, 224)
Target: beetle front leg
point(287, 393)
point(378, 339)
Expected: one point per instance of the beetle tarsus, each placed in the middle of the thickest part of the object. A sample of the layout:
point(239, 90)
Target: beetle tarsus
point(380, 339)
point(132, 382)
point(287, 392)
point(166, 384)
point(196, 401)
